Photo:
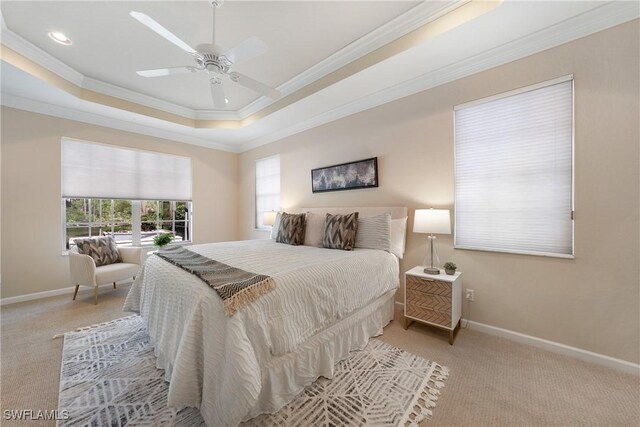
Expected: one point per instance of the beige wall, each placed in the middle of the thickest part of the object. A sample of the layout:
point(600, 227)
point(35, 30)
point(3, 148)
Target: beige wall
point(31, 214)
point(591, 302)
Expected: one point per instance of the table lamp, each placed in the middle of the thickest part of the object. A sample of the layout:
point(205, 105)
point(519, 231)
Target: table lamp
point(432, 221)
point(269, 218)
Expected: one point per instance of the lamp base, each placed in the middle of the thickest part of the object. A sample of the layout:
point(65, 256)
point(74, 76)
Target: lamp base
point(432, 270)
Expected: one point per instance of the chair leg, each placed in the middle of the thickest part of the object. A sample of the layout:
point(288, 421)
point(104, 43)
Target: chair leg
point(95, 295)
point(114, 285)
point(76, 292)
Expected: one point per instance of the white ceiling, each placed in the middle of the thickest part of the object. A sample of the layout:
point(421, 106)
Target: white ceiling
point(109, 45)
point(511, 31)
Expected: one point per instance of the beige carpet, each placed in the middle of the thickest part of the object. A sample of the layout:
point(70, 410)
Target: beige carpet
point(493, 381)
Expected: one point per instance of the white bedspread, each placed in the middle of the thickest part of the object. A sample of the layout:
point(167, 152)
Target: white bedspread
point(213, 361)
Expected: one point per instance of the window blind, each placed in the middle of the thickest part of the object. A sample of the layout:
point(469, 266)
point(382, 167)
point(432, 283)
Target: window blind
point(267, 187)
point(514, 172)
point(101, 171)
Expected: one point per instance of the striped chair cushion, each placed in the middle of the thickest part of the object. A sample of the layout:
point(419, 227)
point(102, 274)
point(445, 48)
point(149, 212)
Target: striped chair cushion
point(340, 231)
point(103, 250)
point(291, 230)
point(374, 232)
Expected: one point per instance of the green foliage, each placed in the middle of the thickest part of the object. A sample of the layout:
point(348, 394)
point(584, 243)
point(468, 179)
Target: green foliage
point(163, 239)
point(450, 266)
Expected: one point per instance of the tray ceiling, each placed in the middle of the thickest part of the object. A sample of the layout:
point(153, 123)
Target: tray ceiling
point(109, 46)
point(372, 53)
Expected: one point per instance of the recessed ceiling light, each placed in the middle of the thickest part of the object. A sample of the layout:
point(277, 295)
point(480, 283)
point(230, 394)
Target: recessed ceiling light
point(58, 37)
point(226, 101)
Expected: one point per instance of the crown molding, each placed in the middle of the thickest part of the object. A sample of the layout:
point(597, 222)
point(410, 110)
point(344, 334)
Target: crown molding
point(3, 25)
point(410, 20)
point(598, 19)
point(77, 115)
point(34, 53)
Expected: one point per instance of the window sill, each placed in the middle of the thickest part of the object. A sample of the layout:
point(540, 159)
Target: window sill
point(144, 247)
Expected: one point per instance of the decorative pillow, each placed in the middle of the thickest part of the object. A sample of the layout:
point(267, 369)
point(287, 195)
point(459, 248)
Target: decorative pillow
point(374, 232)
point(276, 226)
point(340, 231)
point(103, 250)
point(291, 230)
point(314, 230)
point(398, 228)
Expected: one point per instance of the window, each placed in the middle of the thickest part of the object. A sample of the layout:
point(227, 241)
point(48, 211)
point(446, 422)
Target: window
point(130, 194)
point(100, 217)
point(514, 171)
point(267, 187)
point(164, 216)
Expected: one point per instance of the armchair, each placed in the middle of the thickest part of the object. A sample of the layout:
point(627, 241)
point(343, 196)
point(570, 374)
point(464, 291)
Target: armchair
point(85, 273)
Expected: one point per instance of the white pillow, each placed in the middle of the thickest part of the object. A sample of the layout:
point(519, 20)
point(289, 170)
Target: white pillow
point(374, 232)
point(314, 229)
point(276, 226)
point(398, 227)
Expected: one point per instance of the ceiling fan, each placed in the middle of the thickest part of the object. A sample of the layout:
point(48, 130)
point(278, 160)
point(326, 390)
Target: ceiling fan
point(212, 59)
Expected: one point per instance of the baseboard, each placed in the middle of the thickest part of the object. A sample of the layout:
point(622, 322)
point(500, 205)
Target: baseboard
point(555, 347)
point(46, 294)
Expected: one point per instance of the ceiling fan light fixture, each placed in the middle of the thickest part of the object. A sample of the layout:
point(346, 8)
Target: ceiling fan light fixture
point(59, 37)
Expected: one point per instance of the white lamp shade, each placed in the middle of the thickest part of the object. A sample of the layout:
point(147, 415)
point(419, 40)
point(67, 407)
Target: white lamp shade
point(436, 221)
point(269, 218)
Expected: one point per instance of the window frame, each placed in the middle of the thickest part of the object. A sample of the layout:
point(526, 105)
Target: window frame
point(136, 222)
point(520, 90)
point(255, 189)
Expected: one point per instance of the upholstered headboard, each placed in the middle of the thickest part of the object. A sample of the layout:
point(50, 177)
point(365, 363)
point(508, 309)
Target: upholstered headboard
point(397, 212)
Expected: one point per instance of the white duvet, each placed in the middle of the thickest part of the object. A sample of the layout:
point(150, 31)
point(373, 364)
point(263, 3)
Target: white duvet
point(213, 361)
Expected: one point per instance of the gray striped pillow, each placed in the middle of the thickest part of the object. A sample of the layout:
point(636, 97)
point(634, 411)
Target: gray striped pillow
point(374, 232)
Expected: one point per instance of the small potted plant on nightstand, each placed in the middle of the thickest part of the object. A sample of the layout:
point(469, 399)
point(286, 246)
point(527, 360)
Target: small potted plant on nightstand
point(450, 268)
point(163, 239)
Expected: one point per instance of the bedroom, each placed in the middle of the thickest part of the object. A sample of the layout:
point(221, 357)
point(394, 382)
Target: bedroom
point(546, 339)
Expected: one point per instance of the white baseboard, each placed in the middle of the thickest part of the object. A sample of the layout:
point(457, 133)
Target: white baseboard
point(46, 294)
point(555, 347)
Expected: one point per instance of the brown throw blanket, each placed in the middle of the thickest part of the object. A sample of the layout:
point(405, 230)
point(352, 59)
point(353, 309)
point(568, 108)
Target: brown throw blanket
point(236, 287)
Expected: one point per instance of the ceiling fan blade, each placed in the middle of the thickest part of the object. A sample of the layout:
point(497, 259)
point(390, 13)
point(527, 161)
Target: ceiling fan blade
point(153, 25)
point(255, 85)
point(217, 93)
point(159, 72)
point(250, 48)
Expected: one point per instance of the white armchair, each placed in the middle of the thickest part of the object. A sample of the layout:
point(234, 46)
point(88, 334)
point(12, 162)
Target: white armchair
point(85, 273)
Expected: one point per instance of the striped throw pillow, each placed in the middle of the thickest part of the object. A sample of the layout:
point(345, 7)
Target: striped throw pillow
point(340, 231)
point(276, 226)
point(374, 232)
point(103, 250)
point(291, 230)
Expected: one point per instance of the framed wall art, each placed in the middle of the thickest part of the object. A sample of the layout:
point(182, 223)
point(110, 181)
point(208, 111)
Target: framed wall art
point(345, 176)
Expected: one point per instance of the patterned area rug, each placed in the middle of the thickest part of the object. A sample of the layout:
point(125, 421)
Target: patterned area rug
point(109, 378)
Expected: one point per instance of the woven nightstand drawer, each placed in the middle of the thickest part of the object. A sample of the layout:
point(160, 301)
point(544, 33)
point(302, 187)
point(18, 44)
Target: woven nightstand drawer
point(428, 315)
point(429, 301)
point(430, 286)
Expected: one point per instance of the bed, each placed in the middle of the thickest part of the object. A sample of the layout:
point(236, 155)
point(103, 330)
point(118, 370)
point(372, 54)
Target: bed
point(326, 303)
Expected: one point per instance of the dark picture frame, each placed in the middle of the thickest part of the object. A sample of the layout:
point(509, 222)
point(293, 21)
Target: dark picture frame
point(345, 176)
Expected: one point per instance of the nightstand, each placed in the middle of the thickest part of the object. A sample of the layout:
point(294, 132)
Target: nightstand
point(433, 299)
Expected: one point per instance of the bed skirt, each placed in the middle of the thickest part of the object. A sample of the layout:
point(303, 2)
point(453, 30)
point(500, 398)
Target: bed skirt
point(286, 376)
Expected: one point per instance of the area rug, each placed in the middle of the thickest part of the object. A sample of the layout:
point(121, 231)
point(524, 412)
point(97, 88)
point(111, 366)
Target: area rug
point(109, 377)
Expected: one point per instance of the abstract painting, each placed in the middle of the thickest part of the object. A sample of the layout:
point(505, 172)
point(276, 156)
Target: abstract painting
point(346, 176)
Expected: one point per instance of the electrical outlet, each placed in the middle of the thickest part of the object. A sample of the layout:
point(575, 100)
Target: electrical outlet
point(470, 295)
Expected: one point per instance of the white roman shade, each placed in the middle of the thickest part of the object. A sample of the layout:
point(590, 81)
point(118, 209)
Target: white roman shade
point(267, 187)
point(514, 171)
point(102, 171)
